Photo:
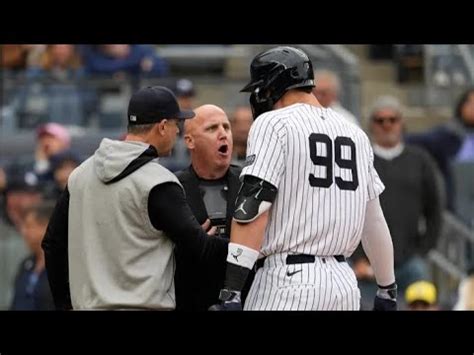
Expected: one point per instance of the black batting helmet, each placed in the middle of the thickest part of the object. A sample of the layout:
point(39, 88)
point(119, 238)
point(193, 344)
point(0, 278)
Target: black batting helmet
point(273, 73)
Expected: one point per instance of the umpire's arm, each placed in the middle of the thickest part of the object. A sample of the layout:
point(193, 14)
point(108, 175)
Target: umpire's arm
point(169, 211)
point(55, 246)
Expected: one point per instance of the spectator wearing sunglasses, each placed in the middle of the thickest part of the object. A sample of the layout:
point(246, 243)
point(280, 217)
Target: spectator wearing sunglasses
point(413, 198)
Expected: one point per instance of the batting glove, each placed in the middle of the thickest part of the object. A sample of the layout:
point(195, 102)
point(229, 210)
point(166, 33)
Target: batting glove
point(386, 298)
point(230, 301)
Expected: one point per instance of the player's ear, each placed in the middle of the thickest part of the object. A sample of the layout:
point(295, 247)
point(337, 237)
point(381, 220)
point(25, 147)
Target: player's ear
point(189, 141)
point(161, 127)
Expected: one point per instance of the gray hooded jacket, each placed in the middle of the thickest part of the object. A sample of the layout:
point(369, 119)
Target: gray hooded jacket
point(117, 259)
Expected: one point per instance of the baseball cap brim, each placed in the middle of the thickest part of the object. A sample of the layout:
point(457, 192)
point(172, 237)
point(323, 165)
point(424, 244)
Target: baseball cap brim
point(184, 115)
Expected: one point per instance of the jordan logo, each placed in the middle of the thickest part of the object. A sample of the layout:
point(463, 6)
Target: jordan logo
point(236, 255)
point(289, 274)
point(241, 207)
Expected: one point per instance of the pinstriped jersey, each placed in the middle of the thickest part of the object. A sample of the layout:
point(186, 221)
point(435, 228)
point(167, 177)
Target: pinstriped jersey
point(323, 168)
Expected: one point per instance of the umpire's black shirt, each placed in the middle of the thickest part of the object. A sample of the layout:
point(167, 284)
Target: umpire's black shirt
point(197, 286)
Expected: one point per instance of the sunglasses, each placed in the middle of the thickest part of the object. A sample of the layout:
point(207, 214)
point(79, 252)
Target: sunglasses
point(381, 120)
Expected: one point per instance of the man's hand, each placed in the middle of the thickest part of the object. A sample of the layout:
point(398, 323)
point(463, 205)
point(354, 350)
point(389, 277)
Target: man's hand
point(363, 270)
point(230, 301)
point(386, 298)
point(205, 226)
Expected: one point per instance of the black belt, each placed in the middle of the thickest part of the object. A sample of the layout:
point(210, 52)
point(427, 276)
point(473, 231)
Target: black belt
point(301, 259)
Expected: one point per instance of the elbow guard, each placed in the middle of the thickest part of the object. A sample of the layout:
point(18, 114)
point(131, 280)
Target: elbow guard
point(254, 198)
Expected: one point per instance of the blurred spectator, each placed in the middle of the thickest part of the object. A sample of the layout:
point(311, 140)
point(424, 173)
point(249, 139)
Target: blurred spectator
point(409, 61)
point(62, 165)
point(32, 291)
point(22, 191)
point(421, 296)
point(51, 91)
point(118, 59)
point(20, 56)
point(466, 293)
point(52, 138)
point(12, 251)
point(185, 93)
point(413, 198)
point(451, 141)
point(241, 120)
point(465, 111)
point(327, 91)
point(58, 61)
point(13, 56)
point(61, 65)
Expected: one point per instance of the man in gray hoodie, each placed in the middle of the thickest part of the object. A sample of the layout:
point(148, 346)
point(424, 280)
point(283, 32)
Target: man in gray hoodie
point(109, 243)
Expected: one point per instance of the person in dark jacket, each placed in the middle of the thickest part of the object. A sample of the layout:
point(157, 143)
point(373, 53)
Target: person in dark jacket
point(413, 199)
point(211, 184)
point(451, 141)
point(32, 292)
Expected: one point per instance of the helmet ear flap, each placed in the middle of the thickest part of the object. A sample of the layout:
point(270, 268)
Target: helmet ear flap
point(294, 73)
point(302, 71)
point(259, 104)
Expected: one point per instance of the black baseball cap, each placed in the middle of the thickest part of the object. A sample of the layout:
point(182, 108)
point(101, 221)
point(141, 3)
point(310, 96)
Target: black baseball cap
point(154, 103)
point(22, 180)
point(184, 88)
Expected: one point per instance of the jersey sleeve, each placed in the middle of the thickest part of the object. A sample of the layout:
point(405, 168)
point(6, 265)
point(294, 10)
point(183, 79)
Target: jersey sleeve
point(265, 150)
point(375, 186)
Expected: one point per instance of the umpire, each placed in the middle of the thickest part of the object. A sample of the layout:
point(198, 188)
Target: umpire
point(109, 243)
point(211, 185)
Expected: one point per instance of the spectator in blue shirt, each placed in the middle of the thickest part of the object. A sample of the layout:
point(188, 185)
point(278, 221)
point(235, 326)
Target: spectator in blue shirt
point(109, 59)
point(452, 141)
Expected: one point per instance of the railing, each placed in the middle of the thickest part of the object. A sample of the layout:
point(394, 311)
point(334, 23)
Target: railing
point(463, 174)
point(467, 52)
point(451, 257)
point(449, 70)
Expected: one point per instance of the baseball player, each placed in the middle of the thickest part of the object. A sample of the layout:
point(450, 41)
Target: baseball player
point(309, 194)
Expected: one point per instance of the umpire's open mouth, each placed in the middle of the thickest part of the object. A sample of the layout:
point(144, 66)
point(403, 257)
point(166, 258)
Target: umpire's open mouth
point(223, 149)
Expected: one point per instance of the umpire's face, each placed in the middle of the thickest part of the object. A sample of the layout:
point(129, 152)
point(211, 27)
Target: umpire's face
point(209, 137)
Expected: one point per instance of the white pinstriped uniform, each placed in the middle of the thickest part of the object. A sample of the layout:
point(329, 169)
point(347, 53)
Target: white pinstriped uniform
point(314, 212)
